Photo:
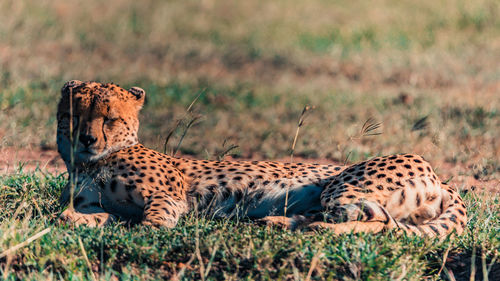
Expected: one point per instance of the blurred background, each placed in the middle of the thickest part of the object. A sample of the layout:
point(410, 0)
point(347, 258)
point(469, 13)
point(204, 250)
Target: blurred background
point(393, 76)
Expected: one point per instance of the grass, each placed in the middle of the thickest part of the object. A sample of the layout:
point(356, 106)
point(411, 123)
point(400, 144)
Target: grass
point(424, 73)
point(200, 248)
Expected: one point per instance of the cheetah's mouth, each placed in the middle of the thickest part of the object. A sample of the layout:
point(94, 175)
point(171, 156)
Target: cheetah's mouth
point(89, 154)
point(86, 154)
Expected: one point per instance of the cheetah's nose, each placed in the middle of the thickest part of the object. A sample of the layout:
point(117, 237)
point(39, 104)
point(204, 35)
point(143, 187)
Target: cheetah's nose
point(87, 140)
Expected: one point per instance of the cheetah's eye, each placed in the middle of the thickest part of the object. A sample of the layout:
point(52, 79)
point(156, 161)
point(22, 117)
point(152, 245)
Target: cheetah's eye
point(108, 120)
point(74, 118)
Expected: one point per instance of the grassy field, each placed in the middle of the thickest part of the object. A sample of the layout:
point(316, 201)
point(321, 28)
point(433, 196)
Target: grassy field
point(427, 71)
point(200, 248)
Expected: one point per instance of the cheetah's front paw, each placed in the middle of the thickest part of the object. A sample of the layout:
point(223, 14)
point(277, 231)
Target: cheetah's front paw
point(92, 220)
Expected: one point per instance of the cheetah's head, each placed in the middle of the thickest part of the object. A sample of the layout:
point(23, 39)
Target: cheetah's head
point(95, 119)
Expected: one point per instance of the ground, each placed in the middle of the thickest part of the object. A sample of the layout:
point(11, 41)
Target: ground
point(425, 71)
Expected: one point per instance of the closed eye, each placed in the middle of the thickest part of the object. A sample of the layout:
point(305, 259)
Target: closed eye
point(108, 120)
point(74, 118)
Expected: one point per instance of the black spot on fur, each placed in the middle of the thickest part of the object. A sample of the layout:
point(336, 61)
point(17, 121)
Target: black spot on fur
point(113, 185)
point(434, 229)
point(369, 213)
point(402, 198)
point(453, 218)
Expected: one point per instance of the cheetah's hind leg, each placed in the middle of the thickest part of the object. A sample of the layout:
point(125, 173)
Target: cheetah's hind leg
point(361, 216)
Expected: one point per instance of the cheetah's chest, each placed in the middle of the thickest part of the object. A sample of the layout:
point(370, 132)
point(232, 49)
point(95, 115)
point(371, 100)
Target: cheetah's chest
point(116, 194)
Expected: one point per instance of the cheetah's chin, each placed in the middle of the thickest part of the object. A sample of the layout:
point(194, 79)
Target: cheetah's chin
point(90, 156)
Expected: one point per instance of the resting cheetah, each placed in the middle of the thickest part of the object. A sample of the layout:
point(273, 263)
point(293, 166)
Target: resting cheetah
point(118, 178)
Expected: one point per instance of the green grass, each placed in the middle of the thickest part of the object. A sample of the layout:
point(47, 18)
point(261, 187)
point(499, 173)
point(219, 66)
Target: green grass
point(226, 249)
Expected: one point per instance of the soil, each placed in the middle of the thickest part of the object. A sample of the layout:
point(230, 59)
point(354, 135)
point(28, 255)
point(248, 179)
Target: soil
point(29, 159)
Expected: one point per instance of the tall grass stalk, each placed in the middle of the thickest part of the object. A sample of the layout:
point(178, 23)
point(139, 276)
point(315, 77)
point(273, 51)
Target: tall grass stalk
point(299, 125)
point(179, 122)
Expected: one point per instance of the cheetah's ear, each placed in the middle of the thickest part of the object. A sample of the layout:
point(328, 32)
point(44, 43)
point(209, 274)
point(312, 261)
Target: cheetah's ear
point(139, 94)
point(70, 85)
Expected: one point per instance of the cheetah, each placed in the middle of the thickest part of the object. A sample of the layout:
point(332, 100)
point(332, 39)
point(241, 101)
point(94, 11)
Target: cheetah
point(115, 178)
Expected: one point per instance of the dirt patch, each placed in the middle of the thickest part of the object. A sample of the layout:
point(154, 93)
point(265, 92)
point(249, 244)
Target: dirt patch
point(29, 159)
point(458, 176)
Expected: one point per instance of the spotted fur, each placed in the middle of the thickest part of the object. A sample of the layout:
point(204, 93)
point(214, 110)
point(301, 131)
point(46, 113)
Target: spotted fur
point(118, 178)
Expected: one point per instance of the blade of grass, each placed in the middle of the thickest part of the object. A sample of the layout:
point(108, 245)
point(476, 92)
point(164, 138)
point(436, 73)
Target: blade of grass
point(86, 258)
point(167, 139)
point(420, 124)
point(369, 128)
point(314, 262)
point(449, 274)
point(226, 151)
point(472, 276)
point(23, 244)
point(189, 125)
point(299, 125)
point(445, 256)
point(212, 256)
point(198, 253)
point(493, 260)
point(179, 121)
point(483, 265)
